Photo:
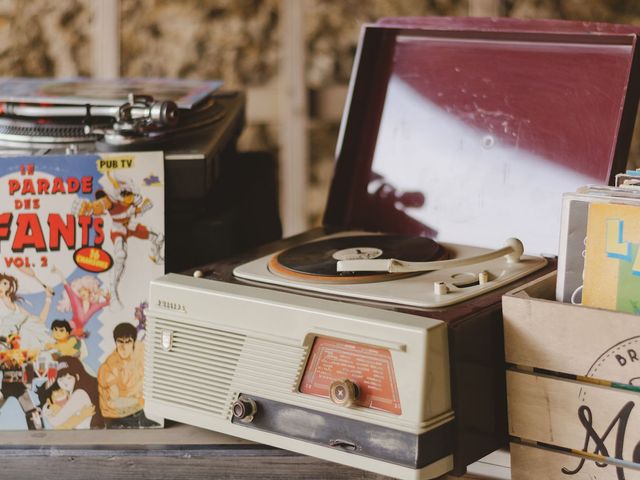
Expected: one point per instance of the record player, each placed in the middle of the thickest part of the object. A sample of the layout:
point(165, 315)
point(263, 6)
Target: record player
point(376, 340)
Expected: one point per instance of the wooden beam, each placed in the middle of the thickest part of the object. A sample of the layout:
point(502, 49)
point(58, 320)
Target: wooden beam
point(485, 8)
point(293, 119)
point(106, 38)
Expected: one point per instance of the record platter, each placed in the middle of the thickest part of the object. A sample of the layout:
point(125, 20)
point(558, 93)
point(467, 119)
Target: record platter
point(376, 340)
point(318, 261)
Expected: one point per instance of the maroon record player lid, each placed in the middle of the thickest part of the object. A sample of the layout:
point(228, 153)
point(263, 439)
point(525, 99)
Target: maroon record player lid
point(469, 130)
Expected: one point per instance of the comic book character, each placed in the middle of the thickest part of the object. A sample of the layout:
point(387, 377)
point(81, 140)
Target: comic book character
point(66, 344)
point(83, 298)
point(79, 410)
point(152, 180)
point(125, 206)
point(14, 318)
point(120, 380)
point(141, 318)
point(22, 335)
point(58, 399)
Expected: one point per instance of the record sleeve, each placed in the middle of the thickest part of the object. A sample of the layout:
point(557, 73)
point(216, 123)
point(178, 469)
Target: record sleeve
point(573, 235)
point(612, 268)
point(80, 238)
point(573, 232)
point(113, 92)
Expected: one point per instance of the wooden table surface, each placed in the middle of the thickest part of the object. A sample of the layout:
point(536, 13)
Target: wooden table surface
point(175, 452)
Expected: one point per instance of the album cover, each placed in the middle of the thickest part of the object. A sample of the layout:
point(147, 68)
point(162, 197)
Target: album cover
point(81, 236)
point(612, 264)
point(81, 91)
point(573, 232)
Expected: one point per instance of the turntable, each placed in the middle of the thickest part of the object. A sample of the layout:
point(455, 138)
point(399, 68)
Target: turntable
point(183, 118)
point(194, 123)
point(358, 265)
point(376, 340)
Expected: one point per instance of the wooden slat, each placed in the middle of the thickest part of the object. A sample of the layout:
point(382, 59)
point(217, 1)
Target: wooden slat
point(176, 452)
point(181, 465)
point(293, 119)
point(173, 434)
point(529, 463)
point(485, 8)
point(564, 413)
point(571, 339)
point(106, 38)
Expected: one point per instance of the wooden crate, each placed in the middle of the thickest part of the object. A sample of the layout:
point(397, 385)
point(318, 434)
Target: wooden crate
point(573, 387)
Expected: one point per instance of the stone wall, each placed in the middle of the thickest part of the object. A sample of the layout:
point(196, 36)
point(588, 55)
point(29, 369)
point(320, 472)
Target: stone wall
point(236, 40)
point(332, 28)
point(45, 38)
point(614, 11)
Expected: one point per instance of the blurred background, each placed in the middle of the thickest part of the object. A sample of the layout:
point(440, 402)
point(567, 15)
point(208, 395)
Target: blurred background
point(292, 57)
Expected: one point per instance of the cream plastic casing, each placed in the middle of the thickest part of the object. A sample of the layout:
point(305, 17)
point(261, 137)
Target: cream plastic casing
point(199, 361)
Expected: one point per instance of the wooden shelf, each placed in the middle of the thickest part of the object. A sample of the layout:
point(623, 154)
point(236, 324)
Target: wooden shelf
point(175, 452)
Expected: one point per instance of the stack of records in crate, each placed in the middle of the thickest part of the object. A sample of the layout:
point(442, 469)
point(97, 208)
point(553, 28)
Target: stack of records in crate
point(598, 262)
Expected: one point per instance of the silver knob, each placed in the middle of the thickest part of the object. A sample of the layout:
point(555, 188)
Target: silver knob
point(244, 409)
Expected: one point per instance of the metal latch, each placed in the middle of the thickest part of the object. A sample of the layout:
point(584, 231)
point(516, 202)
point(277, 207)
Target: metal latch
point(167, 340)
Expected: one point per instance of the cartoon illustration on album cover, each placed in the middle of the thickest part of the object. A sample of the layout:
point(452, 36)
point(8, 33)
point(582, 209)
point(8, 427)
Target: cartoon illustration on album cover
point(81, 236)
point(612, 258)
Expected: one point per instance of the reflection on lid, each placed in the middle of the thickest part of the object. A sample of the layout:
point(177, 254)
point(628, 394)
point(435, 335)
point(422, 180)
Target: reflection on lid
point(491, 134)
point(388, 202)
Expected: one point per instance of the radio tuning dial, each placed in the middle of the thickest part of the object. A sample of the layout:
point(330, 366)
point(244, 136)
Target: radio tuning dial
point(244, 409)
point(343, 392)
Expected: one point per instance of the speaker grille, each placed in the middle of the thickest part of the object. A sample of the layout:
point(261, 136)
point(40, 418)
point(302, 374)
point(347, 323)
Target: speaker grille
point(268, 367)
point(198, 370)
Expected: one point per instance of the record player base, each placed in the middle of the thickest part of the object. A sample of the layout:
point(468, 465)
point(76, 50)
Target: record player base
point(176, 452)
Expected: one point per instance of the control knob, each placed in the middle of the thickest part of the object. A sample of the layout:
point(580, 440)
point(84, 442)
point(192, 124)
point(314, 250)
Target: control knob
point(344, 392)
point(244, 409)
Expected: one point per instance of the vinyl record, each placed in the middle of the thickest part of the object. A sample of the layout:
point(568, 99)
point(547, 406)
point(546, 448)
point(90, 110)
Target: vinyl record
point(317, 260)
